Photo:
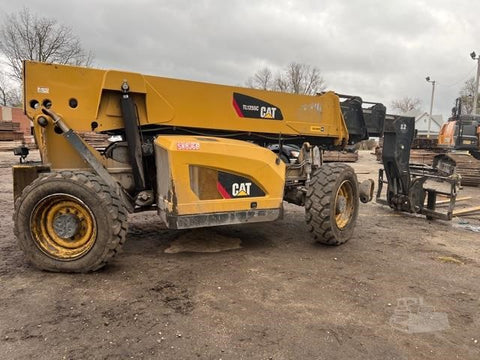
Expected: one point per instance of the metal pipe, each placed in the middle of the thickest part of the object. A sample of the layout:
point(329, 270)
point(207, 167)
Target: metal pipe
point(475, 95)
point(431, 108)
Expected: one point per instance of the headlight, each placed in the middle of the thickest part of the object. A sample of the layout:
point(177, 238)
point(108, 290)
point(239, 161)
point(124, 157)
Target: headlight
point(295, 153)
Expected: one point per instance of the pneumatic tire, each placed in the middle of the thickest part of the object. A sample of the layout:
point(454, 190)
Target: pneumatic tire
point(69, 222)
point(332, 203)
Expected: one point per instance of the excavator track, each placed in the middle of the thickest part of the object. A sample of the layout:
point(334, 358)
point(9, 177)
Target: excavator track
point(463, 164)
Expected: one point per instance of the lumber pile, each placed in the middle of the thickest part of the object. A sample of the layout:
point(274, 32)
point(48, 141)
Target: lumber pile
point(417, 156)
point(422, 156)
point(466, 211)
point(10, 135)
point(7, 143)
point(9, 126)
point(467, 167)
point(10, 131)
point(340, 156)
point(29, 141)
point(95, 140)
point(10, 145)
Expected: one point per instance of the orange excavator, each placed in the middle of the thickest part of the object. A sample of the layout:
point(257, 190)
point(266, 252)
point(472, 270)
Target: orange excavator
point(460, 137)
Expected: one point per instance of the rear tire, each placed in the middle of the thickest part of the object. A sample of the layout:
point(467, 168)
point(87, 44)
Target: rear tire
point(70, 222)
point(332, 203)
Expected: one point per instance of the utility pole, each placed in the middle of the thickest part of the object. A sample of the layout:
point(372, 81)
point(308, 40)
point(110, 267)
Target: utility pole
point(475, 95)
point(431, 105)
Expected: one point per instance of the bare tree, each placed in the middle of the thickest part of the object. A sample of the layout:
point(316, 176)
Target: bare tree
point(262, 79)
point(297, 78)
point(406, 104)
point(466, 95)
point(15, 97)
point(280, 83)
point(304, 79)
point(10, 94)
point(25, 36)
point(3, 91)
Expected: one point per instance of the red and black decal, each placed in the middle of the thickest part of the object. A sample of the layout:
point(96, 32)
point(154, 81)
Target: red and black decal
point(250, 107)
point(235, 186)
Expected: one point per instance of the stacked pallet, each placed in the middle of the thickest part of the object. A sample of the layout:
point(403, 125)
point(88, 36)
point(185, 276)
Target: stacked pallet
point(10, 145)
point(417, 156)
point(424, 156)
point(467, 167)
point(29, 141)
point(340, 156)
point(10, 131)
point(95, 140)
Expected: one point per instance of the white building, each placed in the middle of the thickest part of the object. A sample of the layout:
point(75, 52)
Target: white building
point(421, 123)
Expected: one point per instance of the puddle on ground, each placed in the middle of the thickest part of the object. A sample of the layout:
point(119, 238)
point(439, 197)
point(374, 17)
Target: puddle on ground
point(473, 228)
point(203, 241)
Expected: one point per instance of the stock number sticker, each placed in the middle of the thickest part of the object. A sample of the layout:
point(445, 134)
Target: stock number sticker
point(188, 145)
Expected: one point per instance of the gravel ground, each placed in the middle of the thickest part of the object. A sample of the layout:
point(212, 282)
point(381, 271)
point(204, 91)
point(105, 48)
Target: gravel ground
point(402, 288)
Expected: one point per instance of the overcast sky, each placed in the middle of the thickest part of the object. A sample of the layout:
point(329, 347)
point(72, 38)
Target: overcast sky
point(377, 49)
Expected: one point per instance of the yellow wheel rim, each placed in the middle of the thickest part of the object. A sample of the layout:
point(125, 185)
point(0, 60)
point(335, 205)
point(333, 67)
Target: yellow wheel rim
point(344, 204)
point(63, 227)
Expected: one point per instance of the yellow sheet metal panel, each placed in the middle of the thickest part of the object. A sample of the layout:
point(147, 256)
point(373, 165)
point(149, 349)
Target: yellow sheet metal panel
point(177, 155)
point(59, 84)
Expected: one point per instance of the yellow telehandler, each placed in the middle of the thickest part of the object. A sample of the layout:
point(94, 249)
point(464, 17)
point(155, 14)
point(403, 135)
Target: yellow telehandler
point(197, 153)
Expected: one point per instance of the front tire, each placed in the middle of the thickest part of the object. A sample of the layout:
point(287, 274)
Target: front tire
point(70, 222)
point(332, 203)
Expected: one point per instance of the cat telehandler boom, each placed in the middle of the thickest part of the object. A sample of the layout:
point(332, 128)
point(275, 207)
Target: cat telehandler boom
point(194, 152)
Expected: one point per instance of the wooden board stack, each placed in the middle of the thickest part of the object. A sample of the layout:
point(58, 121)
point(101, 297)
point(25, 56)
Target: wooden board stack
point(95, 140)
point(10, 131)
point(340, 156)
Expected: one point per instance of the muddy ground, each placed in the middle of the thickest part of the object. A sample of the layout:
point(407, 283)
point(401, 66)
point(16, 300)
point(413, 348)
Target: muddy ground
point(402, 288)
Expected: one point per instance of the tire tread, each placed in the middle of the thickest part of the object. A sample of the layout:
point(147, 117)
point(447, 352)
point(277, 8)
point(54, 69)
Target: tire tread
point(318, 203)
point(104, 194)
